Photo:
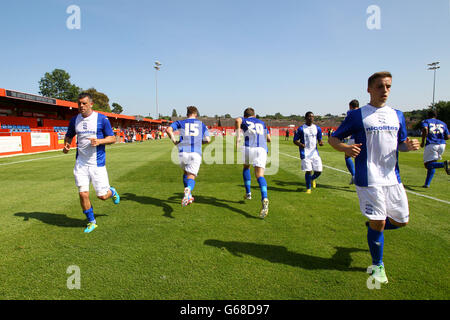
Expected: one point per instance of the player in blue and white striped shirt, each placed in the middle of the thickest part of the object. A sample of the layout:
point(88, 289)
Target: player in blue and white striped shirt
point(254, 152)
point(435, 132)
point(93, 132)
point(193, 133)
point(380, 132)
point(307, 138)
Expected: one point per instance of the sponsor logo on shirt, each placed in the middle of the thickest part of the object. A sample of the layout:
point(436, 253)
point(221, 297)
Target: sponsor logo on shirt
point(382, 128)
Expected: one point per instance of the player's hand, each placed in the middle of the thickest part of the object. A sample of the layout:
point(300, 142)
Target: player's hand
point(66, 148)
point(94, 142)
point(321, 143)
point(422, 144)
point(412, 144)
point(353, 150)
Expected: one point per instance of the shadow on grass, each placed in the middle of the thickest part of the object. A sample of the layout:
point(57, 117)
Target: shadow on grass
point(60, 220)
point(341, 260)
point(164, 204)
point(302, 187)
point(270, 187)
point(414, 188)
point(220, 203)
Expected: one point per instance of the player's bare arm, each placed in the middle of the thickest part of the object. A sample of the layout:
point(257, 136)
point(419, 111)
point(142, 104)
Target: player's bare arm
point(206, 140)
point(237, 126)
point(107, 140)
point(169, 132)
point(299, 144)
point(269, 138)
point(424, 135)
point(352, 150)
point(67, 142)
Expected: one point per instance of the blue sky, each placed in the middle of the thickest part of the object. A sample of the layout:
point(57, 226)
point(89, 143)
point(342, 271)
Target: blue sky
point(288, 56)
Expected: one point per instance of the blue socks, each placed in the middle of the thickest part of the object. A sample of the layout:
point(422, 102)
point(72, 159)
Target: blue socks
point(190, 183)
point(263, 187)
point(185, 180)
point(431, 169)
point(247, 179)
point(316, 175)
point(308, 180)
point(375, 239)
point(90, 214)
point(350, 166)
point(389, 225)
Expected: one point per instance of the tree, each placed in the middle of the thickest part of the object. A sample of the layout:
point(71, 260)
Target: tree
point(57, 85)
point(174, 113)
point(101, 100)
point(116, 108)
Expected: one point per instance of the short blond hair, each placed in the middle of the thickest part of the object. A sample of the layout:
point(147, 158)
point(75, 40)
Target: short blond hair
point(376, 75)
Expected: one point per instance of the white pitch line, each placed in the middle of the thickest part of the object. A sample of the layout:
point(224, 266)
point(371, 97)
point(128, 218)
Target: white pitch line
point(21, 161)
point(415, 193)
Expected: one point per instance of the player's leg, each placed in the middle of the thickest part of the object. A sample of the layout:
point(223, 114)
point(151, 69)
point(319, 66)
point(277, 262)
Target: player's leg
point(372, 206)
point(191, 170)
point(307, 168)
point(259, 162)
point(431, 154)
point(100, 181)
point(308, 179)
point(247, 181)
point(317, 167)
point(246, 176)
point(82, 181)
point(259, 173)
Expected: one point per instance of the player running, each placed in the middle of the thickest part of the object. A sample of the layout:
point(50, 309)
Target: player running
point(193, 133)
point(435, 132)
point(254, 152)
point(307, 137)
point(380, 132)
point(93, 132)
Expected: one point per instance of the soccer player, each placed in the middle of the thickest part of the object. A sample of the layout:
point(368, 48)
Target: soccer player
point(93, 132)
point(353, 105)
point(306, 138)
point(380, 132)
point(254, 152)
point(193, 133)
point(435, 132)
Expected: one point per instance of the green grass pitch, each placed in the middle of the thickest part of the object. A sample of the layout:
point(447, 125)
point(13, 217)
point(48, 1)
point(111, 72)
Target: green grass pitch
point(150, 247)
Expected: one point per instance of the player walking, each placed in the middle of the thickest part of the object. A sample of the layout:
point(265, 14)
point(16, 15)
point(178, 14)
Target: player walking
point(307, 137)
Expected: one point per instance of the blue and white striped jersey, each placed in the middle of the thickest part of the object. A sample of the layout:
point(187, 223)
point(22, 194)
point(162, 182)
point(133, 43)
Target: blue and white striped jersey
point(379, 130)
point(95, 126)
point(308, 135)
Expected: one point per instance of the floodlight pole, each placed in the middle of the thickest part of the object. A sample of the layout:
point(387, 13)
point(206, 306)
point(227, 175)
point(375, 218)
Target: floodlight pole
point(434, 66)
point(157, 66)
